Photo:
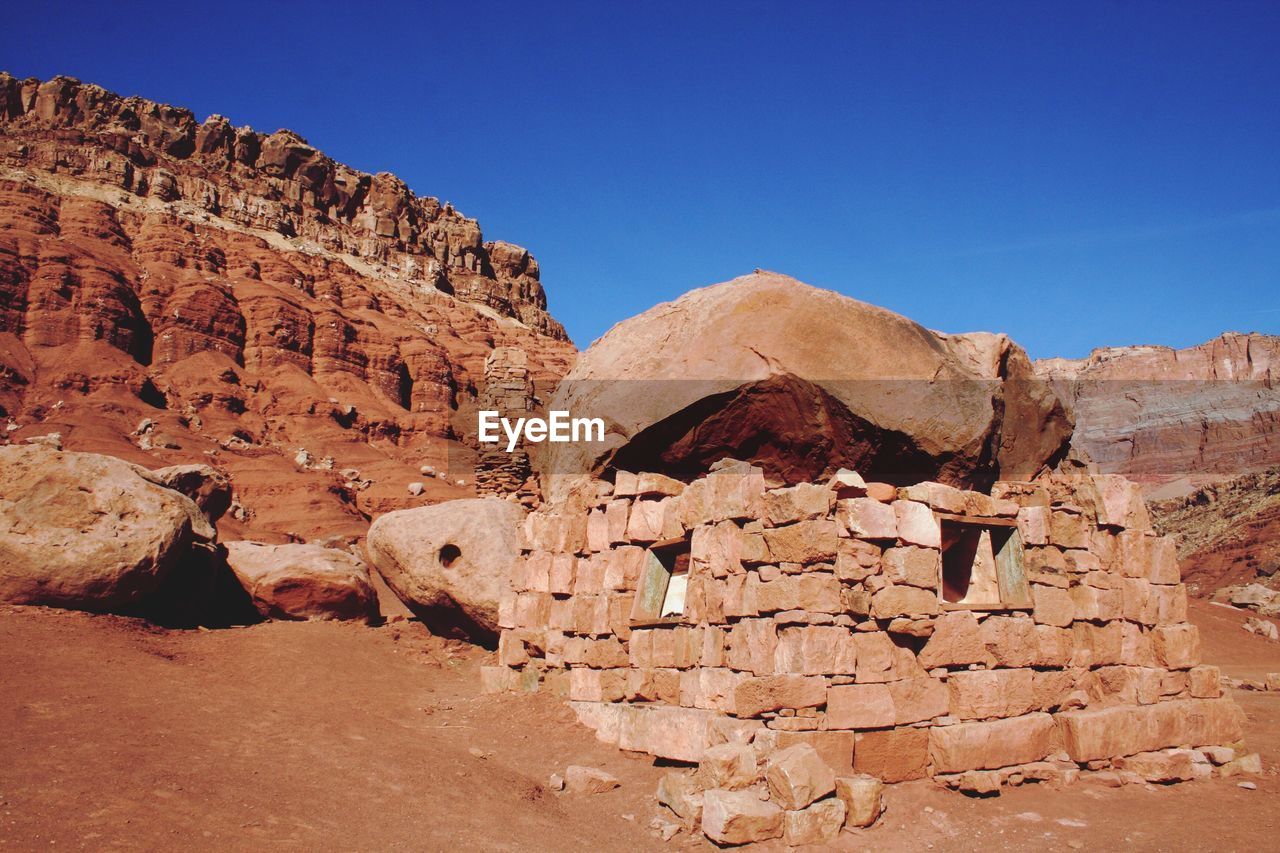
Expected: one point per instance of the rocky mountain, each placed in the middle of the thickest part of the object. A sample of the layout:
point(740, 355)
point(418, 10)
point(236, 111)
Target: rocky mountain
point(1200, 429)
point(174, 290)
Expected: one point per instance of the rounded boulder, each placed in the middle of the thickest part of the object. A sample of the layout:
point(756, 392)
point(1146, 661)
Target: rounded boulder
point(302, 581)
point(451, 561)
point(802, 381)
point(87, 532)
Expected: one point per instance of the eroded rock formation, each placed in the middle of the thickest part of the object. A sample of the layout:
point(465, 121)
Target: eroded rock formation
point(176, 291)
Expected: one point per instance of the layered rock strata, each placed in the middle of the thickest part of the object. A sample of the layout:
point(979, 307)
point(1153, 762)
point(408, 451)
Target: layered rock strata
point(174, 291)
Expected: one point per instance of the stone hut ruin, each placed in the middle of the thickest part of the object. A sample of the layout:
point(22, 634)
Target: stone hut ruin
point(985, 611)
point(903, 632)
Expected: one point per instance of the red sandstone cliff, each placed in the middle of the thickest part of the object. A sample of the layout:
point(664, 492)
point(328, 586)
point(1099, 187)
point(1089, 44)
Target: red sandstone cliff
point(251, 298)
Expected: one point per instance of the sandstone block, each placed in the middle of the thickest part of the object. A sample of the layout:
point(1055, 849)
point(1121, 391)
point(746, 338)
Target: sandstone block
point(597, 531)
point(797, 503)
point(739, 817)
point(1098, 645)
point(680, 793)
point(731, 766)
point(681, 734)
point(893, 755)
point(1138, 604)
point(1068, 529)
point(857, 560)
point(877, 657)
point(625, 484)
point(561, 574)
point(646, 521)
point(1206, 682)
point(991, 745)
point(303, 581)
point(1162, 558)
point(660, 485)
point(754, 696)
point(919, 567)
point(984, 694)
point(1052, 605)
point(1054, 646)
point(863, 798)
point(730, 493)
point(1250, 764)
point(860, 706)
point(916, 524)
point(816, 650)
point(956, 641)
point(820, 823)
point(751, 646)
point(718, 548)
point(1095, 734)
point(867, 518)
point(834, 747)
point(1050, 689)
point(1163, 767)
point(797, 776)
point(1097, 605)
point(646, 685)
point(803, 542)
point(1176, 646)
point(1010, 640)
point(904, 601)
point(919, 699)
point(1033, 525)
point(937, 495)
point(1119, 503)
point(616, 514)
point(622, 567)
point(883, 492)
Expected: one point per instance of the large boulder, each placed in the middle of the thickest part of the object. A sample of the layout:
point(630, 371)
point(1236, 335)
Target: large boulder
point(802, 381)
point(451, 561)
point(89, 532)
point(303, 581)
point(209, 487)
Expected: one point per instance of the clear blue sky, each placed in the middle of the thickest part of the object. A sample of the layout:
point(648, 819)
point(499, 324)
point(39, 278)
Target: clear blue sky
point(1075, 174)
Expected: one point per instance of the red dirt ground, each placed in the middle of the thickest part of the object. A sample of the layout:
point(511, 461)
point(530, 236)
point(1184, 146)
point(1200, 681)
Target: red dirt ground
point(115, 734)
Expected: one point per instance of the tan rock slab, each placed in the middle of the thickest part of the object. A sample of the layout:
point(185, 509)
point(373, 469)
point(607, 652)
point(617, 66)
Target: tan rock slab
point(863, 797)
point(991, 745)
point(820, 823)
point(797, 776)
point(579, 779)
point(739, 817)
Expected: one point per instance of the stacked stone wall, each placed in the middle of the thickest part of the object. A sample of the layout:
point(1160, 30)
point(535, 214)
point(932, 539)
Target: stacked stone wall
point(815, 613)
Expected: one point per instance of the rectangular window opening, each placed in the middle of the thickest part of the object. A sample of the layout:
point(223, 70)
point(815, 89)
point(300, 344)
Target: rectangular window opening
point(663, 584)
point(983, 566)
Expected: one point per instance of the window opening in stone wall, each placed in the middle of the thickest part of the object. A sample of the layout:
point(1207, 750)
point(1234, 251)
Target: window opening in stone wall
point(983, 566)
point(664, 582)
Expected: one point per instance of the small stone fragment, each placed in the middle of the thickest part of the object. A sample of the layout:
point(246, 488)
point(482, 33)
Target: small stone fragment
point(588, 780)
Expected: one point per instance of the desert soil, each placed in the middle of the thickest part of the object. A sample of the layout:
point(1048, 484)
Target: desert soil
point(115, 734)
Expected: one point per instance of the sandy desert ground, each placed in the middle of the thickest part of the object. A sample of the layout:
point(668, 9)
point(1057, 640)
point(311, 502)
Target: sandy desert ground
point(315, 735)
